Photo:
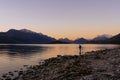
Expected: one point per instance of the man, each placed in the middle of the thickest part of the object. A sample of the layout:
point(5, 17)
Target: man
point(80, 48)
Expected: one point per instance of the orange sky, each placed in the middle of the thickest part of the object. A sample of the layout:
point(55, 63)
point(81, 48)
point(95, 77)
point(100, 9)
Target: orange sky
point(62, 18)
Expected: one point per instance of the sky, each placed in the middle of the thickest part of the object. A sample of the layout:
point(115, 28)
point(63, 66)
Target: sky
point(62, 18)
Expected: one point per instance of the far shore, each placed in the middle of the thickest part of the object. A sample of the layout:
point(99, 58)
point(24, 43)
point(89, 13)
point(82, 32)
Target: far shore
point(95, 65)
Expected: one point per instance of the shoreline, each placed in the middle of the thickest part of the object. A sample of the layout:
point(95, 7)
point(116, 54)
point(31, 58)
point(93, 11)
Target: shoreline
point(100, 65)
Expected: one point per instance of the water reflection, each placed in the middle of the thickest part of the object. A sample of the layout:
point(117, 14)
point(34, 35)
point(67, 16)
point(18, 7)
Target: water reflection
point(18, 50)
point(15, 56)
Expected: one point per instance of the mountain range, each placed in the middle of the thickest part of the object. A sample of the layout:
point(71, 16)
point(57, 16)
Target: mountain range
point(102, 37)
point(114, 40)
point(65, 40)
point(25, 36)
point(81, 41)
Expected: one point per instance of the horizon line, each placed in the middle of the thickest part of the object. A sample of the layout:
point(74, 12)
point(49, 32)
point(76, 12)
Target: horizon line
point(58, 38)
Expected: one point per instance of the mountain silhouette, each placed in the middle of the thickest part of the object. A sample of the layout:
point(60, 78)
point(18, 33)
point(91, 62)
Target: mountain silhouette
point(114, 40)
point(102, 37)
point(24, 36)
point(81, 41)
point(65, 40)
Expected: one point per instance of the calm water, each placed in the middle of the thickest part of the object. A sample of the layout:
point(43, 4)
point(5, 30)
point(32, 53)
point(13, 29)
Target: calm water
point(13, 57)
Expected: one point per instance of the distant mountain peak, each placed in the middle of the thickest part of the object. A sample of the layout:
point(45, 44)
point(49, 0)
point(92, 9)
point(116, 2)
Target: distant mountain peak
point(21, 30)
point(24, 36)
point(105, 35)
point(81, 40)
point(65, 40)
point(114, 40)
point(26, 30)
point(11, 30)
point(102, 37)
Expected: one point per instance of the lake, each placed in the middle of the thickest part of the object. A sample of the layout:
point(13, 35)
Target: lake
point(14, 56)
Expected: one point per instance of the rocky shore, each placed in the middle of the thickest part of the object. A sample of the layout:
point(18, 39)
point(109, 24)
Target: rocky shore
point(95, 65)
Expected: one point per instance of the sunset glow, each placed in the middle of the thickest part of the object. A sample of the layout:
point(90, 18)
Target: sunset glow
point(62, 18)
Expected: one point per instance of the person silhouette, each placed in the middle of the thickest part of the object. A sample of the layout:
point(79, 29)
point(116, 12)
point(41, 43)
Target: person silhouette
point(80, 48)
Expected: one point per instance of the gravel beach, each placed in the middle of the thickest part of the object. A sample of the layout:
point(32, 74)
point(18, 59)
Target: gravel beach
point(95, 65)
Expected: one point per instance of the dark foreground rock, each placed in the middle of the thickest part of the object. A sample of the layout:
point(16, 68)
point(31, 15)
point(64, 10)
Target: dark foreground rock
point(95, 65)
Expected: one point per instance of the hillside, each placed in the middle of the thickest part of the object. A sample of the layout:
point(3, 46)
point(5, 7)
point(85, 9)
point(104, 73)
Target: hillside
point(80, 41)
point(114, 40)
point(24, 36)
